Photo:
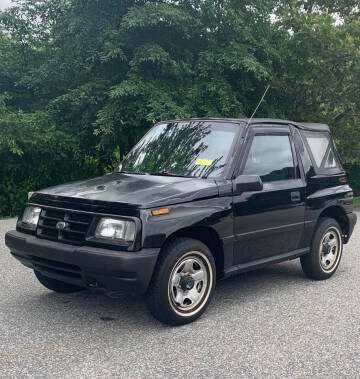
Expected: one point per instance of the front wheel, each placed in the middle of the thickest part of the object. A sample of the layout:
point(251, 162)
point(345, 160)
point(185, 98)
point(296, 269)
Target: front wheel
point(183, 282)
point(326, 251)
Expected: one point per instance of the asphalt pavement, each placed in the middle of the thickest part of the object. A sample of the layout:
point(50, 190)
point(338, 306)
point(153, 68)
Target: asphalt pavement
point(270, 323)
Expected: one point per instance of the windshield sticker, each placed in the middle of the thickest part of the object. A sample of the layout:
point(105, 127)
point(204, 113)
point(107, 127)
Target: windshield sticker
point(204, 162)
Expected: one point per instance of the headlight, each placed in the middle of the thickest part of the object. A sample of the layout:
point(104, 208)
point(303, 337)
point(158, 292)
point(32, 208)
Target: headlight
point(113, 229)
point(31, 216)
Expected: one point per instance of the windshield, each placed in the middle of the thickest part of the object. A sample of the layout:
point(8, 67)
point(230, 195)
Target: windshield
point(194, 149)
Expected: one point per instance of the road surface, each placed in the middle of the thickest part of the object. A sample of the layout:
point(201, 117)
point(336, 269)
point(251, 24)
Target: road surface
point(271, 323)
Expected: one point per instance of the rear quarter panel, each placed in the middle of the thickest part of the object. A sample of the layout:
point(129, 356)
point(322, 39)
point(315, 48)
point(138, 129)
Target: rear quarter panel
point(324, 192)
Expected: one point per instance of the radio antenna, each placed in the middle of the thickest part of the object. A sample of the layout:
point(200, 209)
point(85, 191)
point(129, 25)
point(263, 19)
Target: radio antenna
point(261, 100)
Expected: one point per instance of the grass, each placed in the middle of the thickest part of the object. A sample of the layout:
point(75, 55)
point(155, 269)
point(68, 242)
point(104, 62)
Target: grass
point(357, 202)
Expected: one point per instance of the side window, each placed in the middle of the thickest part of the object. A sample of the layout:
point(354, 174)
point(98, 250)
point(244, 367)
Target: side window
point(322, 150)
point(305, 157)
point(270, 157)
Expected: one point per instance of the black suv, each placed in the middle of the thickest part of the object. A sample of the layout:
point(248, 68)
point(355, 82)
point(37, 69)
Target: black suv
point(194, 201)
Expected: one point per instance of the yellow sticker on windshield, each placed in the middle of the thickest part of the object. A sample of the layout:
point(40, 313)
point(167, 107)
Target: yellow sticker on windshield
point(204, 162)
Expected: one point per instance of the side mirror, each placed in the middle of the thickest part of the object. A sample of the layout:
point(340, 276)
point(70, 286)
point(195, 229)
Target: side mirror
point(247, 183)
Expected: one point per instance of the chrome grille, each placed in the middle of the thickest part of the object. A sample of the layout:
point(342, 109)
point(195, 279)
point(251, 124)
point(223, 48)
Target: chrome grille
point(74, 232)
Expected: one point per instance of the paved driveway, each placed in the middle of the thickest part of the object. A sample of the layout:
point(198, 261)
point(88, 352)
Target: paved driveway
point(268, 323)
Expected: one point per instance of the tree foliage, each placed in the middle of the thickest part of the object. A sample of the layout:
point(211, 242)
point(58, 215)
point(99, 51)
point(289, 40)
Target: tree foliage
point(82, 80)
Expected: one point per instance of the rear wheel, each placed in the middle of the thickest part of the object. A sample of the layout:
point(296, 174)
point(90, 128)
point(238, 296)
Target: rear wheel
point(56, 285)
point(183, 282)
point(326, 251)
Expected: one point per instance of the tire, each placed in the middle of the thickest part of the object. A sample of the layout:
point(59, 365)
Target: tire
point(183, 282)
point(326, 251)
point(56, 285)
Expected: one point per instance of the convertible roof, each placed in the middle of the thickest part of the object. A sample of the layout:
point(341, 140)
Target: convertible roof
point(301, 125)
point(271, 121)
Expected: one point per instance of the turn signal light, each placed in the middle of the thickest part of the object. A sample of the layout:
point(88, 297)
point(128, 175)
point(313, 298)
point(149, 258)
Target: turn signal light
point(161, 211)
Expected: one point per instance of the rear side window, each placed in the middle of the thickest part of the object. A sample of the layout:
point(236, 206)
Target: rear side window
point(322, 150)
point(270, 157)
point(305, 157)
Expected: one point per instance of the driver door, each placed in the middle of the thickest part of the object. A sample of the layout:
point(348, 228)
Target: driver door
point(269, 222)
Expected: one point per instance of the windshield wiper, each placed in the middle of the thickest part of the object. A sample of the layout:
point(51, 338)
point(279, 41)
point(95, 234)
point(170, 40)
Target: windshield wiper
point(167, 173)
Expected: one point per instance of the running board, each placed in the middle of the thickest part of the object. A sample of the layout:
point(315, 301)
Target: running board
point(259, 263)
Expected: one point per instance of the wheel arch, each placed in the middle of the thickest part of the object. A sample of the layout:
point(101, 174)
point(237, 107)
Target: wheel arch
point(337, 213)
point(207, 236)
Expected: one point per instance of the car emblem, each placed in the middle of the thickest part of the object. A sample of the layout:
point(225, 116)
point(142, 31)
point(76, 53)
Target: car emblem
point(61, 225)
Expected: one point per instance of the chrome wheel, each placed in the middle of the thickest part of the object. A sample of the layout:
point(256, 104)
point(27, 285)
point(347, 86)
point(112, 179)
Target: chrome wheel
point(330, 249)
point(190, 283)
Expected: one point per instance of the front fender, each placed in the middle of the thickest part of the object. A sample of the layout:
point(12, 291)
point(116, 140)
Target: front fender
point(215, 213)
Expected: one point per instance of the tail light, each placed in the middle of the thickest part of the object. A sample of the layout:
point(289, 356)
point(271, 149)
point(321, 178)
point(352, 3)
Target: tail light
point(343, 180)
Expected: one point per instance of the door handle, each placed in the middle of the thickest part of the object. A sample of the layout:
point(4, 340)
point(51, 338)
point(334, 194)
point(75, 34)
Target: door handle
point(295, 196)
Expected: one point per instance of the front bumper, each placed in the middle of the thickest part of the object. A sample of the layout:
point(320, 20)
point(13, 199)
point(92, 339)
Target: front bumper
point(352, 218)
point(85, 266)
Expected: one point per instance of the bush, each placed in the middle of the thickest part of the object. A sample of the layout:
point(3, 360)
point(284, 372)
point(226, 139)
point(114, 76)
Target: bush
point(353, 174)
point(35, 154)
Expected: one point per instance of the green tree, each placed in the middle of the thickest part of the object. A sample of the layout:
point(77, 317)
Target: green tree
point(82, 80)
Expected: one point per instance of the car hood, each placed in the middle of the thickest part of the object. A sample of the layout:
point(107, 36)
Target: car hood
point(141, 191)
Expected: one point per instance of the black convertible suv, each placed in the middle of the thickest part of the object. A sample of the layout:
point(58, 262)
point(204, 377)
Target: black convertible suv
point(194, 201)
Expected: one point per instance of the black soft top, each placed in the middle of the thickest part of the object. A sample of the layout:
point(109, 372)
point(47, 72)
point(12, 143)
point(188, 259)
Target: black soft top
point(301, 125)
point(273, 121)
